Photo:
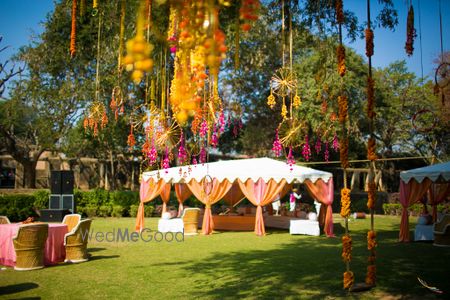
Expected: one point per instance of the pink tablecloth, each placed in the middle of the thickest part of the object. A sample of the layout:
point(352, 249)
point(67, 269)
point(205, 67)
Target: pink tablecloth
point(54, 246)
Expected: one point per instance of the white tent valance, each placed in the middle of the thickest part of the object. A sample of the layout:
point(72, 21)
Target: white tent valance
point(242, 169)
point(433, 172)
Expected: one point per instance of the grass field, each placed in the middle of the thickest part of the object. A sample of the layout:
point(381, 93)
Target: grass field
point(237, 265)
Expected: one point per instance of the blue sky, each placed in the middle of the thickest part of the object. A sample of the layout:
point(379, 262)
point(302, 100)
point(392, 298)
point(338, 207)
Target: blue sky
point(19, 19)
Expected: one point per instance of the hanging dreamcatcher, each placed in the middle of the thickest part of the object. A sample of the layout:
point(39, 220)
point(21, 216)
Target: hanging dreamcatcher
point(442, 79)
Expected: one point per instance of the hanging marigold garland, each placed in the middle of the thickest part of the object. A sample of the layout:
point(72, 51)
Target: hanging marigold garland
point(345, 202)
point(371, 195)
point(349, 279)
point(74, 28)
point(339, 11)
point(369, 42)
point(346, 248)
point(343, 108)
point(410, 32)
point(343, 151)
point(340, 51)
point(371, 154)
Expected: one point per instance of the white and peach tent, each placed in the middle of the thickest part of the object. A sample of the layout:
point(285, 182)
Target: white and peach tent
point(260, 180)
point(416, 183)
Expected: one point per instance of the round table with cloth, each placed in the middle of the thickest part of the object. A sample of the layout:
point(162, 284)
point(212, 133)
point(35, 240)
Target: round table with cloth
point(54, 246)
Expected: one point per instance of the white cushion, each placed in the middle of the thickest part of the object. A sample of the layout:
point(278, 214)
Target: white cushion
point(166, 216)
point(312, 216)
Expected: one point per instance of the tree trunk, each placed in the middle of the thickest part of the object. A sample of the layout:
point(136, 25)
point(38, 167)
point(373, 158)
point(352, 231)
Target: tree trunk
point(29, 174)
point(113, 177)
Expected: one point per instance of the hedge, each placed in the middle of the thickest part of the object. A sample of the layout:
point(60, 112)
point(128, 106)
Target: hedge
point(395, 209)
point(93, 203)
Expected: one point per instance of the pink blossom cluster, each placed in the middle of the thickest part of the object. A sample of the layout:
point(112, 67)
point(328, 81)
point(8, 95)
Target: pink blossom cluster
point(182, 154)
point(318, 145)
point(335, 143)
point(222, 122)
point(165, 163)
point(290, 159)
point(153, 154)
point(203, 128)
point(277, 148)
point(327, 152)
point(203, 155)
point(214, 138)
point(306, 150)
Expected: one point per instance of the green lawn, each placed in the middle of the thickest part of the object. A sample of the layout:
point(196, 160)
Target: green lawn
point(235, 265)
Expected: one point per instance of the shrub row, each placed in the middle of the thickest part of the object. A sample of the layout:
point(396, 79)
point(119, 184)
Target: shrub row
point(92, 203)
point(395, 209)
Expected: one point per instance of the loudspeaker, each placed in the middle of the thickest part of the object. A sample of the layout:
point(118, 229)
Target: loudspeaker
point(67, 202)
point(55, 182)
point(55, 202)
point(53, 215)
point(61, 182)
point(67, 180)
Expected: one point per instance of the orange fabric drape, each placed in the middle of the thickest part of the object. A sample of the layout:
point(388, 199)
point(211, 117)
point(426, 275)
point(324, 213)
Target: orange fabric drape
point(438, 193)
point(324, 193)
point(182, 192)
point(260, 194)
point(287, 187)
point(410, 193)
point(234, 195)
point(165, 196)
point(218, 190)
point(148, 191)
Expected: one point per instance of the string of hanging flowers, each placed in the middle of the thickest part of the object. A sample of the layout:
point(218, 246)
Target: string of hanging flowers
point(410, 32)
point(73, 33)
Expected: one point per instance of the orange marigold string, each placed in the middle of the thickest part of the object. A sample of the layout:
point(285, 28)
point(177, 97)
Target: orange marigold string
point(131, 141)
point(370, 98)
point(371, 195)
point(371, 240)
point(345, 202)
point(74, 28)
point(343, 151)
point(410, 32)
point(349, 279)
point(346, 248)
point(340, 51)
point(371, 155)
point(369, 42)
point(371, 275)
point(104, 120)
point(339, 12)
point(343, 108)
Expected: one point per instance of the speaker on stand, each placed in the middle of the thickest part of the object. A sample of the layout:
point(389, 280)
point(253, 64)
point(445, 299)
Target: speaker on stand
point(61, 200)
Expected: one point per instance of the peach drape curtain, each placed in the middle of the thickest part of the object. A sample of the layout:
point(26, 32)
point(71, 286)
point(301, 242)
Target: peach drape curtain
point(148, 191)
point(260, 194)
point(218, 190)
point(234, 195)
point(438, 193)
point(324, 193)
point(182, 192)
point(165, 196)
point(410, 193)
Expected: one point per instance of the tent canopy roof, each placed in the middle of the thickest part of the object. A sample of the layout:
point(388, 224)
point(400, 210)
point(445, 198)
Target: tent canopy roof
point(433, 172)
point(242, 169)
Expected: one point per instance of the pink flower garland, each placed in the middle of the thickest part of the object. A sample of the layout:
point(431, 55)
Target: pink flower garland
point(290, 159)
point(306, 150)
point(335, 143)
point(165, 163)
point(277, 147)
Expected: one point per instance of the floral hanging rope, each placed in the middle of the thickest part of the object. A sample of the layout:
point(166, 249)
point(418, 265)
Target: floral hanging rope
point(348, 277)
point(73, 33)
point(371, 151)
point(410, 31)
